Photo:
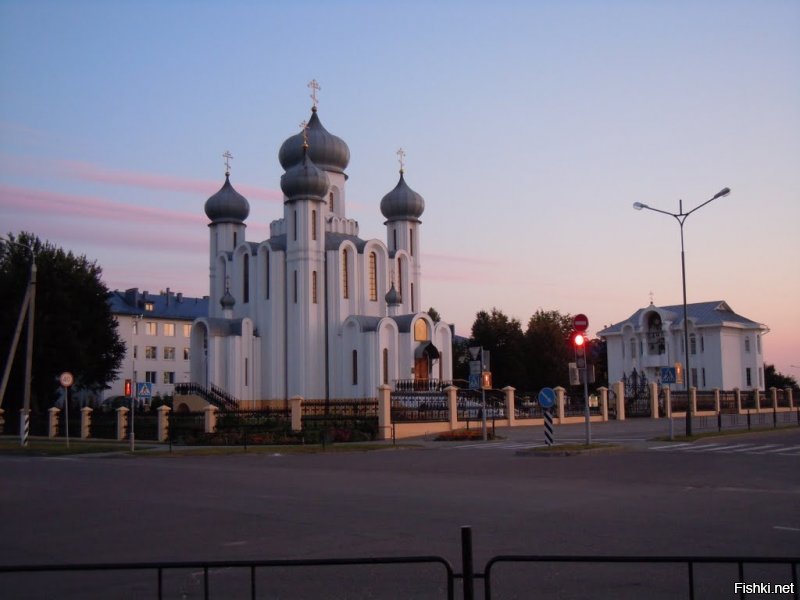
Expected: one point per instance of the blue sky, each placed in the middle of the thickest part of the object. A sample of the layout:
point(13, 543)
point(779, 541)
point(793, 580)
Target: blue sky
point(530, 129)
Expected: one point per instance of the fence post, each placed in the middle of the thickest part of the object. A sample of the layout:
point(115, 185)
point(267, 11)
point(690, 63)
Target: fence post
point(510, 414)
point(668, 402)
point(297, 412)
point(603, 402)
point(560, 402)
point(693, 399)
point(653, 400)
point(757, 399)
point(737, 393)
point(163, 422)
point(788, 392)
point(452, 406)
point(122, 422)
point(467, 568)
point(773, 391)
point(384, 412)
point(86, 422)
point(619, 392)
point(717, 401)
point(52, 422)
point(210, 419)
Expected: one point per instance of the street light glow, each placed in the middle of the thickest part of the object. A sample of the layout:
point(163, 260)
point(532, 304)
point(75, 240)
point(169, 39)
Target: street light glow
point(639, 205)
point(722, 192)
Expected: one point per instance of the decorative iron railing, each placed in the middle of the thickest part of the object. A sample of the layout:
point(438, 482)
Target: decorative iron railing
point(419, 406)
point(421, 385)
point(213, 395)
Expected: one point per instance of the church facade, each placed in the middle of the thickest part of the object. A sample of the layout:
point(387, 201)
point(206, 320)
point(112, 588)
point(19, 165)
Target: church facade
point(315, 311)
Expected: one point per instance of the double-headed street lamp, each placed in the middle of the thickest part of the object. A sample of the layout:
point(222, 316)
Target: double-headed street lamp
point(681, 218)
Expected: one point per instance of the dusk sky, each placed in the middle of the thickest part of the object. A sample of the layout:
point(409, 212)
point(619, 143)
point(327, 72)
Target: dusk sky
point(530, 128)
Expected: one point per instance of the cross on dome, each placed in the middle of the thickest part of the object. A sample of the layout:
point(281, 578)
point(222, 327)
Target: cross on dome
point(227, 156)
point(304, 127)
point(401, 155)
point(314, 87)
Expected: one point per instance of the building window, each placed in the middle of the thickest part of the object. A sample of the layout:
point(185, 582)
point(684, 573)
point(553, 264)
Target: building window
point(704, 377)
point(421, 331)
point(385, 366)
point(313, 225)
point(246, 278)
point(693, 344)
point(748, 377)
point(150, 376)
point(411, 241)
point(266, 276)
point(187, 330)
point(148, 306)
point(345, 275)
point(151, 352)
point(151, 328)
point(169, 353)
point(412, 297)
point(246, 372)
point(694, 377)
point(295, 225)
point(400, 277)
point(136, 352)
point(169, 329)
point(314, 287)
point(169, 376)
point(702, 344)
point(355, 367)
point(234, 239)
point(747, 345)
point(330, 201)
point(394, 238)
point(633, 347)
point(185, 353)
point(373, 276)
point(295, 287)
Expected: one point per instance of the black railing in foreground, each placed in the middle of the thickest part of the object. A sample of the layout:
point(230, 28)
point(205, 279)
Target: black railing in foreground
point(468, 574)
point(421, 385)
point(212, 394)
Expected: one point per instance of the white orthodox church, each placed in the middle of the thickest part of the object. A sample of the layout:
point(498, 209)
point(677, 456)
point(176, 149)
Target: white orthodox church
point(315, 311)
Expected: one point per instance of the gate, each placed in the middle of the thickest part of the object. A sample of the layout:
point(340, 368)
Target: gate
point(637, 394)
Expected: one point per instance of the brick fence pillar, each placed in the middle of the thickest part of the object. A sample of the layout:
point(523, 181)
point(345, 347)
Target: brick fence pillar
point(122, 422)
point(86, 422)
point(52, 422)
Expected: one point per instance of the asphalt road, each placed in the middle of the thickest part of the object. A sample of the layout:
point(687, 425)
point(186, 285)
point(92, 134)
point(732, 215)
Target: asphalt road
point(638, 501)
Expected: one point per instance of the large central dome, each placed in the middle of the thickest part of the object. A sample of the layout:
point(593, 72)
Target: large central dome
point(325, 150)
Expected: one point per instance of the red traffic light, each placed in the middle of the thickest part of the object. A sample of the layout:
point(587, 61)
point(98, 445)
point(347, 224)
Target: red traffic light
point(579, 340)
point(128, 387)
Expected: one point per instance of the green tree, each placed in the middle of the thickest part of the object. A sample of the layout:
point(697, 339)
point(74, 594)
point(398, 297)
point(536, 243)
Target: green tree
point(74, 328)
point(503, 338)
point(434, 314)
point(547, 350)
point(776, 379)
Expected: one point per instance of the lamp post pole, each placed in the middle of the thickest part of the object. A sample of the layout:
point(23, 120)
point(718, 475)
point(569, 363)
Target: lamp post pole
point(136, 320)
point(681, 218)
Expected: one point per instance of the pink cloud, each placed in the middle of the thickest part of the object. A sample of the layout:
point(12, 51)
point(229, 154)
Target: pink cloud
point(85, 171)
point(470, 260)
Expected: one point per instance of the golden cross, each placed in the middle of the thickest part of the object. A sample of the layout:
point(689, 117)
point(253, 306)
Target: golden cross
point(400, 158)
point(227, 156)
point(304, 127)
point(314, 87)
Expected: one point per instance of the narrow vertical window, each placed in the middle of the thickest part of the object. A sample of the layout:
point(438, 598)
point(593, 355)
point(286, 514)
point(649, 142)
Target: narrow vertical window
point(385, 366)
point(234, 239)
point(345, 276)
point(330, 201)
point(295, 287)
point(295, 225)
point(246, 278)
point(246, 372)
point(314, 287)
point(394, 236)
point(313, 225)
point(400, 277)
point(373, 276)
point(355, 367)
point(266, 275)
point(411, 241)
point(412, 297)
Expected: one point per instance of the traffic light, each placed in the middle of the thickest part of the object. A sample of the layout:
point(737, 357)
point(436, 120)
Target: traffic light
point(579, 340)
point(128, 387)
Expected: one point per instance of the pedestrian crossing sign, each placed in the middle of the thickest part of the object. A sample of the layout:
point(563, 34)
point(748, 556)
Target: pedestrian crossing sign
point(668, 375)
point(144, 390)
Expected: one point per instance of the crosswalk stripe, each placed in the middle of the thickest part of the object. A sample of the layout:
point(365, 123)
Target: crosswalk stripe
point(673, 446)
point(728, 448)
point(751, 449)
point(702, 448)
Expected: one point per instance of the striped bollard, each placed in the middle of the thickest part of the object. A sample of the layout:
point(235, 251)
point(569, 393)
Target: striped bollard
point(548, 427)
point(24, 427)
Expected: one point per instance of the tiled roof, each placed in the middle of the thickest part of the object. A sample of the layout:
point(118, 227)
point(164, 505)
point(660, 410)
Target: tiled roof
point(702, 314)
point(166, 305)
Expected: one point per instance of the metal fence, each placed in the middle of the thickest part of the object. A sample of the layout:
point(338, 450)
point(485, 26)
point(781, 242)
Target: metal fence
point(419, 406)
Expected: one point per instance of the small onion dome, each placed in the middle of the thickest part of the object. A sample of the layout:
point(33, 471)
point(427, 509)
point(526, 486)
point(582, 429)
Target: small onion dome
point(227, 301)
point(227, 205)
point(304, 180)
point(402, 203)
point(328, 151)
point(393, 296)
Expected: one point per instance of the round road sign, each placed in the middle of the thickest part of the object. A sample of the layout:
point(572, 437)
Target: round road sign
point(580, 323)
point(66, 379)
point(547, 397)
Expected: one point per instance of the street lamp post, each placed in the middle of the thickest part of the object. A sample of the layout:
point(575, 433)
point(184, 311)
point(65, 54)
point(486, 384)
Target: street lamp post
point(30, 300)
point(681, 218)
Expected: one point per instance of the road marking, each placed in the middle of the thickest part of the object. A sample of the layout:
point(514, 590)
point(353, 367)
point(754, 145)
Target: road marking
point(763, 447)
point(702, 448)
point(784, 528)
point(673, 446)
point(729, 448)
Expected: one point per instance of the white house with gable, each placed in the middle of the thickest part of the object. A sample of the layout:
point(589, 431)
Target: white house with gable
point(725, 349)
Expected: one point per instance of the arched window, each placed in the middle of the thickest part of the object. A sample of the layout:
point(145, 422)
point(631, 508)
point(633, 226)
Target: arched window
point(693, 344)
point(330, 201)
point(385, 366)
point(633, 347)
point(373, 276)
point(421, 333)
point(246, 278)
point(345, 275)
point(400, 263)
point(355, 367)
point(313, 225)
point(314, 287)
